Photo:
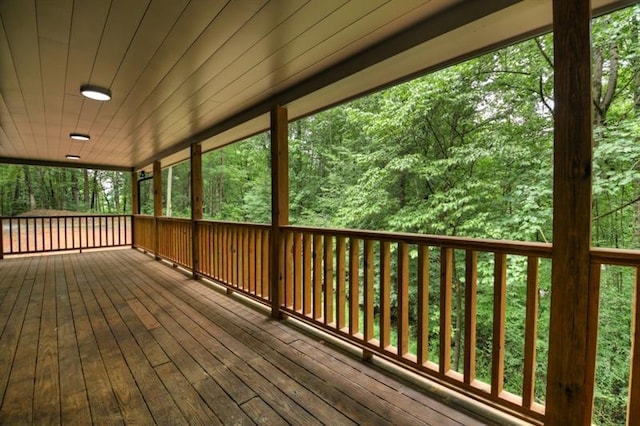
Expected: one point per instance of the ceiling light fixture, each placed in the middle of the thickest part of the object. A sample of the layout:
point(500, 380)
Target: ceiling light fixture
point(95, 92)
point(72, 157)
point(79, 136)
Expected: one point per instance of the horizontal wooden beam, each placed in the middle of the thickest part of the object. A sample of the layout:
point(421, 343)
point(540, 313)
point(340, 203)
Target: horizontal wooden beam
point(70, 165)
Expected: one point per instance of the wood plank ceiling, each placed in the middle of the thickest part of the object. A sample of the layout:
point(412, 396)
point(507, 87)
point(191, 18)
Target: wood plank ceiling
point(185, 71)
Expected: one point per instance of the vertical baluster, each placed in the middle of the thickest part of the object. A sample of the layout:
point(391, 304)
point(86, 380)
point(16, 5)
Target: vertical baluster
point(317, 276)
point(531, 332)
point(423, 304)
point(499, 313)
point(252, 260)
point(369, 290)
point(259, 265)
point(246, 258)
point(385, 294)
point(328, 280)
point(288, 269)
point(470, 312)
point(27, 229)
point(307, 272)
point(341, 251)
point(297, 270)
point(354, 286)
point(403, 299)
point(633, 408)
point(446, 271)
point(266, 266)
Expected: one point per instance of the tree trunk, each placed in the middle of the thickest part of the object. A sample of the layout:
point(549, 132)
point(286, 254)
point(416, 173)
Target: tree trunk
point(30, 194)
point(169, 179)
point(86, 191)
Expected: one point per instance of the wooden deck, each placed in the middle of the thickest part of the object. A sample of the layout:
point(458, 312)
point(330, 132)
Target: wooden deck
point(113, 337)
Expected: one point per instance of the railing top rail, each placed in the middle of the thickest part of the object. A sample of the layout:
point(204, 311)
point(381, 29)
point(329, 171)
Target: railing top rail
point(63, 216)
point(502, 246)
point(172, 219)
point(612, 256)
point(226, 222)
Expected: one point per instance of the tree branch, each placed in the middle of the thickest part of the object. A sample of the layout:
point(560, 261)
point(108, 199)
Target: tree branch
point(617, 209)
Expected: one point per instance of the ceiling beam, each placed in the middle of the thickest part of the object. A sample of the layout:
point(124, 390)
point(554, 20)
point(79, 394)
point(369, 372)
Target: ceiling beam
point(74, 165)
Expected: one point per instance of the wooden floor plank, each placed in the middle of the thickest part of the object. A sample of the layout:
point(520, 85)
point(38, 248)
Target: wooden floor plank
point(73, 392)
point(130, 399)
point(115, 337)
point(17, 404)
point(46, 397)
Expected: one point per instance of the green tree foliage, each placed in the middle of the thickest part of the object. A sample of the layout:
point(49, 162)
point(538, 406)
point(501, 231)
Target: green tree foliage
point(27, 188)
point(468, 151)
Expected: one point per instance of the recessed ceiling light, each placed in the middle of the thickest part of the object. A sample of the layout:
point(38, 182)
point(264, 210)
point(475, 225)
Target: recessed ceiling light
point(95, 92)
point(72, 157)
point(79, 136)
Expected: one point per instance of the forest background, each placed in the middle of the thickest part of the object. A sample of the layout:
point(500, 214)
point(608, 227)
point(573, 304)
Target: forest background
point(465, 151)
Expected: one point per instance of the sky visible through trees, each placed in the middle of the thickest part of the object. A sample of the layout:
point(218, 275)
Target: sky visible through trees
point(465, 151)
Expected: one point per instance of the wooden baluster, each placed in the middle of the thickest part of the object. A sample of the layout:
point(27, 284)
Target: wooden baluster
point(470, 312)
point(328, 280)
point(499, 313)
point(633, 408)
point(246, 258)
point(341, 251)
point(369, 290)
point(297, 266)
point(259, 266)
point(289, 270)
point(385, 295)
point(423, 304)
point(307, 272)
point(252, 260)
point(446, 270)
point(317, 276)
point(266, 265)
point(403, 299)
point(354, 286)
point(530, 333)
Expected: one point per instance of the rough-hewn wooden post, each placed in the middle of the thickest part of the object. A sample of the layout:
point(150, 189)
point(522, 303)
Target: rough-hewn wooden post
point(135, 205)
point(2, 239)
point(157, 205)
point(196, 206)
point(574, 296)
point(279, 203)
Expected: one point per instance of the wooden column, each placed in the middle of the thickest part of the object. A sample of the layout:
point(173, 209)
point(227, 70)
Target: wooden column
point(196, 206)
point(157, 205)
point(135, 206)
point(574, 296)
point(279, 203)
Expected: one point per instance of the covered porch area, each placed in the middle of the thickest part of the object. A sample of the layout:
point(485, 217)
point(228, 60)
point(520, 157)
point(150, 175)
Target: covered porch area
point(112, 337)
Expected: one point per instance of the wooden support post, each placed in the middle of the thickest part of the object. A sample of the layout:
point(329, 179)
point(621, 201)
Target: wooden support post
point(574, 295)
point(135, 206)
point(196, 206)
point(2, 239)
point(279, 203)
point(157, 206)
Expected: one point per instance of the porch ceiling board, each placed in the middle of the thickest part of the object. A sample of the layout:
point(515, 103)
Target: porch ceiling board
point(182, 71)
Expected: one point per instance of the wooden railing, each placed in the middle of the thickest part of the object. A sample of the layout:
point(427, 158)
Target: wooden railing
point(381, 290)
point(236, 255)
point(22, 235)
point(411, 299)
point(144, 232)
point(174, 240)
point(602, 258)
